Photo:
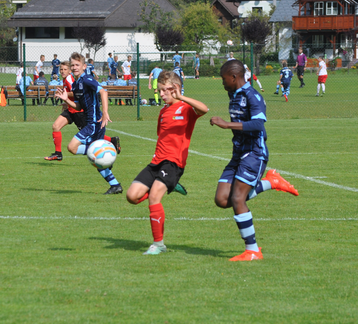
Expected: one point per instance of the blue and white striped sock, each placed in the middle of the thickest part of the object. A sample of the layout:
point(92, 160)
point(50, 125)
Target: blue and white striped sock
point(261, 186)
point(277, 88)
point(108, 176)
point(82, 149)
point(247, 230)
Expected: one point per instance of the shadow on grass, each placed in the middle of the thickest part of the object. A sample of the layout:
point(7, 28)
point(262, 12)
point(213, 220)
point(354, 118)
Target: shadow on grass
point(143, 246)
point(61, 249)
point(49, 164)
point(58, 191)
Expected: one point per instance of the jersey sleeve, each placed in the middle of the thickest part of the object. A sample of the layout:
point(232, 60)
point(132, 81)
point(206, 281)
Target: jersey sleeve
point(257, 107)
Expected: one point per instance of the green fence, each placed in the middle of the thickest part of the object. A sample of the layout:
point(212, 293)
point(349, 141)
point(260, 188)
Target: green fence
point(338, 101)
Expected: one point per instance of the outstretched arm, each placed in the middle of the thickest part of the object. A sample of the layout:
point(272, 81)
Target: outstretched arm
point(62, 94)
point(200, 108)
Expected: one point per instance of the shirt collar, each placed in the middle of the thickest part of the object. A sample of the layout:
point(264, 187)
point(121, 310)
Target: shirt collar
point(244, 87)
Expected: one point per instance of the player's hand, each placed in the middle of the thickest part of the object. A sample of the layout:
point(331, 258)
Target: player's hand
point(218, 121)
point(149, 86)
point(104, 120)
point(176, 92)
point(62, 94)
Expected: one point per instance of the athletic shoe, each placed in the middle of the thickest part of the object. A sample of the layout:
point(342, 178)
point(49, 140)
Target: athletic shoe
point(179, 188)
point(248, 256)
point(322, 94)
point(275, 93)
point(286, 98)
point(301, 86)
point(115, 141)
point(279, 183)
point(54, 156)
point(262, 90)
point(154, 250)
point(114, 190)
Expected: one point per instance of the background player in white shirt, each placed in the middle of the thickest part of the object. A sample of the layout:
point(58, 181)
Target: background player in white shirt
point(38, 67)
point(248, 77)
point(322, 76)
point(126, 68)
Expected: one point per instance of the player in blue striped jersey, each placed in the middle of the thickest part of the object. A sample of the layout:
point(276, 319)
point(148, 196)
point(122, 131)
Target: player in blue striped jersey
point(90, 69)
point(86, 91)
point(241, 178)
point(285, 81)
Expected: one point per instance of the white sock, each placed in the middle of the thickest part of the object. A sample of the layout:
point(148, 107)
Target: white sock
point(323, 87)
point(318, 87)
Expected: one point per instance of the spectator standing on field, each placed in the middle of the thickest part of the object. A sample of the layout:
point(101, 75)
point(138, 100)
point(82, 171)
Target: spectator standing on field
point(231, 57)
point(114, 67)
point(301, 63)
point(154, 74)
point(126, 68)
point(322, 76)
point(55, 65)
point(197, 65)
point(109, 62)
point(38, 67)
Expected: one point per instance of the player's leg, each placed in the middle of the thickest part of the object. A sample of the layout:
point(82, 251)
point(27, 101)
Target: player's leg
point(277, 87)
point(318, 89)
point(59, 123)
point(224, 188)
point(155, 88)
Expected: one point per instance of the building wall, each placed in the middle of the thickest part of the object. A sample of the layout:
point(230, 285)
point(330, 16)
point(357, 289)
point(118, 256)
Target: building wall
point(285, 41)
point(246, 6)
point(119, 40)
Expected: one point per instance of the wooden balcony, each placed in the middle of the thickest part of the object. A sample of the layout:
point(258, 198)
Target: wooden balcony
point(337, 23)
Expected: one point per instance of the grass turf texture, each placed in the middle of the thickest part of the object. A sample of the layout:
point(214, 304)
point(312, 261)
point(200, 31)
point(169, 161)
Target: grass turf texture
point(75, 256)
point(339, 100)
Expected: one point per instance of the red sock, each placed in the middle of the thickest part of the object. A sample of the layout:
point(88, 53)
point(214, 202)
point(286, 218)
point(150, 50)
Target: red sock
point(107, 138)
point(157, 218)
point(143, 198)
point(57, 140)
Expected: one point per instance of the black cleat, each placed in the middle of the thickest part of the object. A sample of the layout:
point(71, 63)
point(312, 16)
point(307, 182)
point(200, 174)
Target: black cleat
point(114, 190)
point(54, 156)
point(275, 93)
point(115, 141)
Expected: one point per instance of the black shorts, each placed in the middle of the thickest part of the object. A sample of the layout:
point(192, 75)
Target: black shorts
point(167, 172)
point(78, 118)
point(300, 70)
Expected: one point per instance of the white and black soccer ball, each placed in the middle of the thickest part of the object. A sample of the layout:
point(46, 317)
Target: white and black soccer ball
point(101, 154)
point(144, 101)
point(229, 42)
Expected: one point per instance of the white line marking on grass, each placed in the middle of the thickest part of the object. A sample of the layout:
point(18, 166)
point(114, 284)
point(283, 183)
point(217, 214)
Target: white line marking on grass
point(295, 175)
point(190, 219)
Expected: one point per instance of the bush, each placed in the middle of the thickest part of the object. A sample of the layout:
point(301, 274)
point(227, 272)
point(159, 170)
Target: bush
point(268, 70)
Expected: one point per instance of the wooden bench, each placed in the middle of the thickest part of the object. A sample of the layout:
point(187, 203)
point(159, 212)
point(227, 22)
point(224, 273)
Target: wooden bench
point(122, 92)
point(32, 92)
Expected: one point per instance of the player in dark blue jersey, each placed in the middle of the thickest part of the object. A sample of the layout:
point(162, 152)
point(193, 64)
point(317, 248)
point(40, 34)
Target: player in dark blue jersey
point(55, 65)
point(90, 69)
point(179, 71)
point(114, 68)
point(240, 180)
point(86, 93)
point(285, 81)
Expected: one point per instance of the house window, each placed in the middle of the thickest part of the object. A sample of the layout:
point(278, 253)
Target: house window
point(69, 33)
point(318, 8)
point(42, 32)
point(348, 9)
point(257, 10)
point(331, 8)
point(317, 41)
point(220, 20)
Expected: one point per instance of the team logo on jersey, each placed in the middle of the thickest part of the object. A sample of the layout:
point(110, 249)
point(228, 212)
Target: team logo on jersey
point(80, 86)
point(257, 97)
point(243, 102)
point(178, 117)
point(179, 110)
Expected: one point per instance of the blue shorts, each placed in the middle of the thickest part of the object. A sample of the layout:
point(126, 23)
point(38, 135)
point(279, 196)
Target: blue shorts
point(248, 169)
point(90, 133)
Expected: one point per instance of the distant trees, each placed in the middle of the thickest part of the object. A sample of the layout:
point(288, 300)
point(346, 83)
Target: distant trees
point(92, 38)
point(7, 34)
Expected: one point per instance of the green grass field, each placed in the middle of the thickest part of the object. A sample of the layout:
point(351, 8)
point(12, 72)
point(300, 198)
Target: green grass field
point(68, 254)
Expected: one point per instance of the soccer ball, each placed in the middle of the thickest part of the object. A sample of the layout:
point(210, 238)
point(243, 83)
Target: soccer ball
point(144, 101)
point(229, 42)
point(101, 154)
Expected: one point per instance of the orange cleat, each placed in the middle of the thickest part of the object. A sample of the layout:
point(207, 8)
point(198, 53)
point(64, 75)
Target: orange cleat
point(248, 256)
point(286, 97)
point(279, 183)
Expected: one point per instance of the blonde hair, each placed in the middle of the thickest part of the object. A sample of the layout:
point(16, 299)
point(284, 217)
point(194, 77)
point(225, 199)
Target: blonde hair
point(169, 77)
point(78, 57)
point(67, 63)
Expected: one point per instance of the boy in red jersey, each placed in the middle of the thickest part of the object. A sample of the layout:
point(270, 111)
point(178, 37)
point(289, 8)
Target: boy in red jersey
point(176, 123)
point(70, 115)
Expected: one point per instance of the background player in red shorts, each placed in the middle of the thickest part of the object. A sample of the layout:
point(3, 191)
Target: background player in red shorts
point(248, 77)
point(176, 123)
point(322, 76)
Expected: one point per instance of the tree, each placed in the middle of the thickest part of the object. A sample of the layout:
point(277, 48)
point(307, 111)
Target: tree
point(92, 38)
point(6, 34)
point(256, 29)
point(200, 25)
point(168, 38)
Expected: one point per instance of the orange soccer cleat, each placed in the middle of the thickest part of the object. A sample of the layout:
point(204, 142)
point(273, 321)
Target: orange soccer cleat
point(248, 256)
point(279, 183)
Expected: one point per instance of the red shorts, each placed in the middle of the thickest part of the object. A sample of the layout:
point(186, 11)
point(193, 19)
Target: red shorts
point(255, 78)
point(127, 77)
point(35, 77)
point(322, 78)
